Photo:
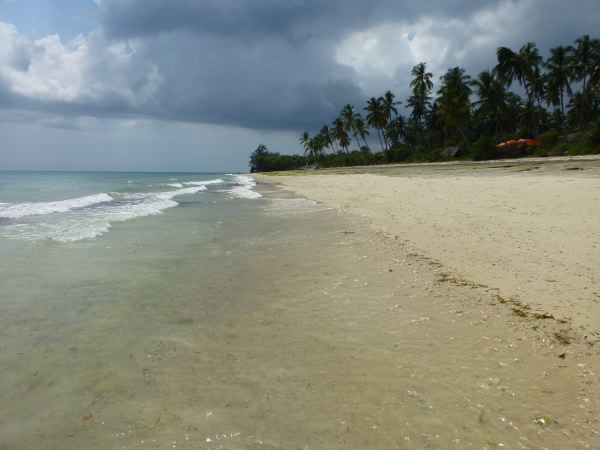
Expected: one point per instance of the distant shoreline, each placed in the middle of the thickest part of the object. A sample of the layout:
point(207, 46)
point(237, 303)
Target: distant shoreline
point(488, 162)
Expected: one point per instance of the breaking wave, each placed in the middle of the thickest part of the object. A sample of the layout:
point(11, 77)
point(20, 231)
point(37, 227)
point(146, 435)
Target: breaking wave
point(18, 210)
point(86, 217)
point(244, 187)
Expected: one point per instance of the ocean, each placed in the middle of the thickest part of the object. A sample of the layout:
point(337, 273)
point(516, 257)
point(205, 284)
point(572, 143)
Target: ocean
point(96, 270)
point(71, 207)
point(160, 310)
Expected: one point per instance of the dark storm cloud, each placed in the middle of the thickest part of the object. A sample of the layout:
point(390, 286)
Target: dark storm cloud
point(267, 64)
point(299, 19)
point(265, 84)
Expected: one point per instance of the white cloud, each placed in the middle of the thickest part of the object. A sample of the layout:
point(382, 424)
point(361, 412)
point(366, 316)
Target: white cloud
point(384, 49)
point(53, 73)
point(382, 55)
point(85, 69)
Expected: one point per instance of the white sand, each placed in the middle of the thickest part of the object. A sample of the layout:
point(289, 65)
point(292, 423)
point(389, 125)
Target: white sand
point(534, 235)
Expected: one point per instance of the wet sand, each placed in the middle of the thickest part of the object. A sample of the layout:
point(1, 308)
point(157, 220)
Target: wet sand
point(528, 228)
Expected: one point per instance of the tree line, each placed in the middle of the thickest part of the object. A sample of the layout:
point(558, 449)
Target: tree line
point(470, 115)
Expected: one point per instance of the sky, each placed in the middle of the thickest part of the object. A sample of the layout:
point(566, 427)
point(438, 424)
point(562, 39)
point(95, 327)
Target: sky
point(196, 85)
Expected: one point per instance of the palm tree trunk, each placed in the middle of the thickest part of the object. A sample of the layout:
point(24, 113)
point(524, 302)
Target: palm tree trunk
point(366, 145)
point(380, 142)
point(530, 113)
point(562, 106)
point(385, 140)
point(584, 99)
point(357, 142)
point(464, 138)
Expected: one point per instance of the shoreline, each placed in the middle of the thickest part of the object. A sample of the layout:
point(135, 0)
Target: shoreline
point(526, 231)
point(490, 163)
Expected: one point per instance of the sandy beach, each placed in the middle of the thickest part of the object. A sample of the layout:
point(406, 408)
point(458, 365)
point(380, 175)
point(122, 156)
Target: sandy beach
point(526, 228)
point(482, 276)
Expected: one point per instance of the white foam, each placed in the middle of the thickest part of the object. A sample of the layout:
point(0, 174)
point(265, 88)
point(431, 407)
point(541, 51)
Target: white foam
point(293, 206)
point(18, 210)
point(175, 185)
point(243, 188)
point(89, 223)
point(203, 183)
point(169, 195)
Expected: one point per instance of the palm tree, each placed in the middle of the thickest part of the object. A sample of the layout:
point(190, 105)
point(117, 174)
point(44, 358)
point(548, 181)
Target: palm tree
point(339, 133)
point(325, 135)
point(582, 67)
point(360, 129)
point(396, 130)
point(557, 75)
point(453, 101)
point(349, 116)
point(421, 86)
point(539, 88)
point(309, 146)
point(376, 116)
point(419, 101)
point(318, 144)
point(574, 108)
point(524, 67)
point(594, 80)
point(345, 141)
point(305, 141)
point(516, 112)
point(390, 105)
point(581, 59)
point(491, 106)
point(552, 95)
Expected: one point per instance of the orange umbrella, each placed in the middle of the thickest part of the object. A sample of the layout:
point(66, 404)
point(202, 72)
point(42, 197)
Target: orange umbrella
point(530, 142)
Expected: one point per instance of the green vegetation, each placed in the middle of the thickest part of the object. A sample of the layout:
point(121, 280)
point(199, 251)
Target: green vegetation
point(262, 160)
point(468, 116)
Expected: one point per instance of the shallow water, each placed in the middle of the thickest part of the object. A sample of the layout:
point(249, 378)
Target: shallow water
point(271, 323)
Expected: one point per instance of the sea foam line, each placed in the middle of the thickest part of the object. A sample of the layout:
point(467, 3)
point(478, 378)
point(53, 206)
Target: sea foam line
point(244, 188)
point(203, 183)
point(18, 210)
point(77, 225)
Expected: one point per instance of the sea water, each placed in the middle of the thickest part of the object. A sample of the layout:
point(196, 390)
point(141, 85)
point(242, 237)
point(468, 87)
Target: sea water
point(70, 207)
point(92, 267)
